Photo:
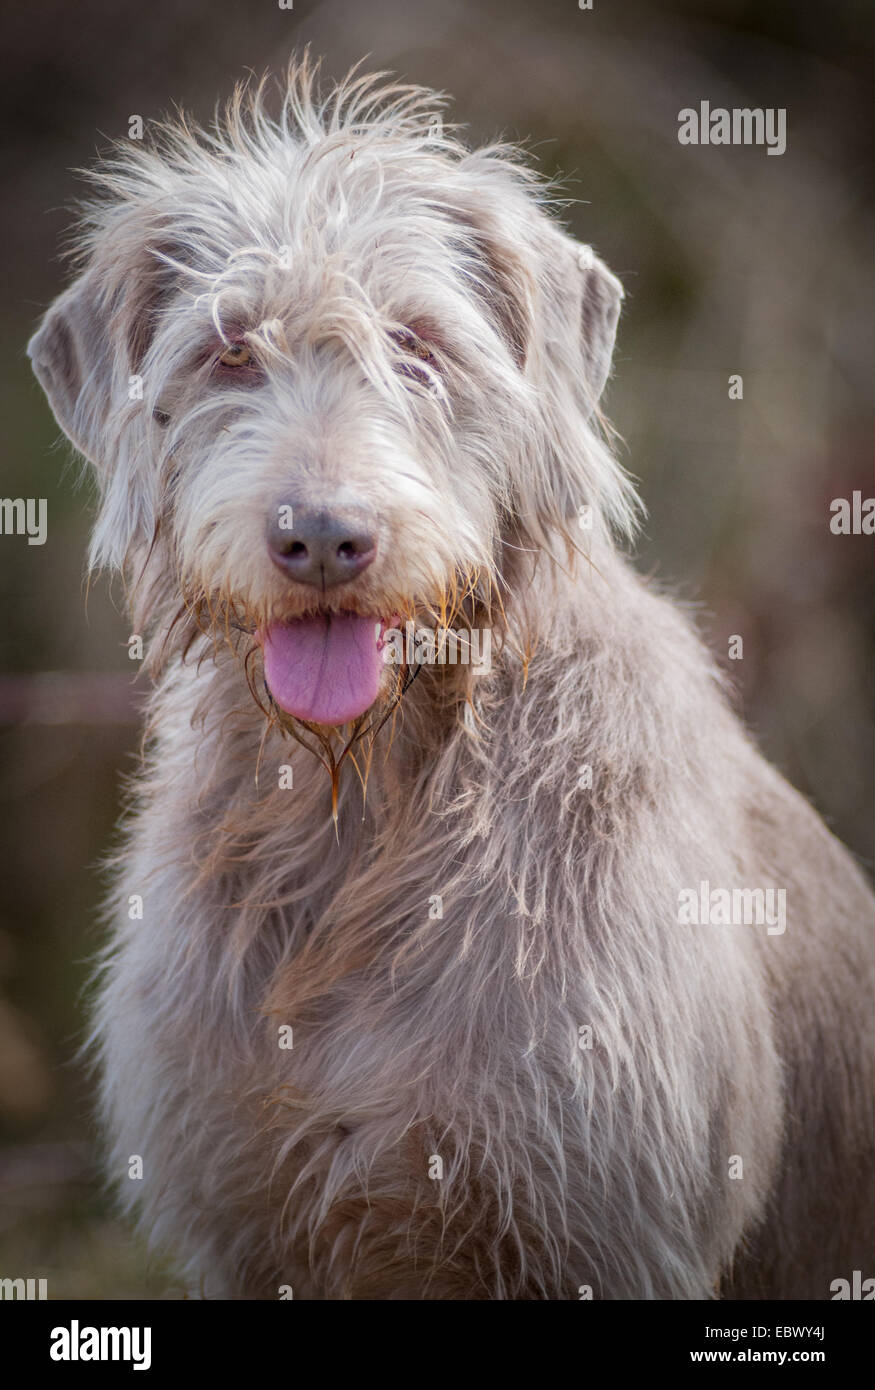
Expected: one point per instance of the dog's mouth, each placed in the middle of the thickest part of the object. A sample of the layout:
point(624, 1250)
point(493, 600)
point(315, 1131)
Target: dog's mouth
point(325, 668)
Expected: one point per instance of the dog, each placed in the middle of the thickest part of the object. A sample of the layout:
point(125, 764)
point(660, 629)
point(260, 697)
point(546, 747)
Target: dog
point(416, 987)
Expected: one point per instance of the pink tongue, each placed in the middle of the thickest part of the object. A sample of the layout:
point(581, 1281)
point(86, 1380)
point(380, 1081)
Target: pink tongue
point(325, 669)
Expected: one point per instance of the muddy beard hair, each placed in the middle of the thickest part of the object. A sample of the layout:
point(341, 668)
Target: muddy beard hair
point(215, 622)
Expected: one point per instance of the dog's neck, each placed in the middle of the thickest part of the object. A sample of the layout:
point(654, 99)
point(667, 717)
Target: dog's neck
point(432, 811)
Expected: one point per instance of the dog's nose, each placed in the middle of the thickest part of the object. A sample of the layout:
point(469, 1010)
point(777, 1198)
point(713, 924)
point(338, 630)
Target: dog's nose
point(322, 546)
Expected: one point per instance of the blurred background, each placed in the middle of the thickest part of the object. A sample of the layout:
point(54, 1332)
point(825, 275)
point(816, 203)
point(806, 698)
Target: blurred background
point(734, 262)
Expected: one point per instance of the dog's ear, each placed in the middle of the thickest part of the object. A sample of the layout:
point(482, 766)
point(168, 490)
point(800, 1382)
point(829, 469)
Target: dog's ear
point(557, 307)
point(575, 315)
point(96, 334)
point(87, 355)
point(591, 297)
point(579, 485)
point(72, 358)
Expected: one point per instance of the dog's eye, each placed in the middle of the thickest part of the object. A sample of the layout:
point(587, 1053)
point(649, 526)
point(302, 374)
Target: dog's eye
point(413, 345)
point(237, 355)
point(415, 351)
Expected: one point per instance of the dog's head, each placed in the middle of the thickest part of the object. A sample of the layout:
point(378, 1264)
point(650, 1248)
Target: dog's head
point(333, 370)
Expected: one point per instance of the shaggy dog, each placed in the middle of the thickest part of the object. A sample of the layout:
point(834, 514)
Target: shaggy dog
point(432, 977)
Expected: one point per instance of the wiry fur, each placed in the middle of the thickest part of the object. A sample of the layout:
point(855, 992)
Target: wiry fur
point(458, 1036)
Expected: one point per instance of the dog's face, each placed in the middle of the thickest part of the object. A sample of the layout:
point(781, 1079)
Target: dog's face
point(332, 371)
